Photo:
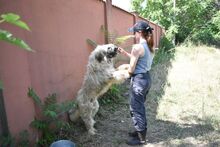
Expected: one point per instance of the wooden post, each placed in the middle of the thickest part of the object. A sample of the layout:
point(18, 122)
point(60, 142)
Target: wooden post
point(135, 18)
point(108, 15)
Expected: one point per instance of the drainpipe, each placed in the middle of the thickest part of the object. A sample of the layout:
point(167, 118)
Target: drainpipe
point(3, 117)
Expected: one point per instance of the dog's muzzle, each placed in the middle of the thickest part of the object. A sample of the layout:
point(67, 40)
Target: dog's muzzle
point(112, 52)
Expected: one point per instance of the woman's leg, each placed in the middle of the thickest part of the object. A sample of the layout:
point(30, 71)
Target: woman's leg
point(140, 86)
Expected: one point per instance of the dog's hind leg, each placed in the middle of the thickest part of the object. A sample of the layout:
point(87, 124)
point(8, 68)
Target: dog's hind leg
point(89, 122)
point(74, 114)
point(86, 114)
point(95, 108)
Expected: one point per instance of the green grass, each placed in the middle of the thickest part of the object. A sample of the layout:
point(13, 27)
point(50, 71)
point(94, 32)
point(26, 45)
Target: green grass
point(190, 93)
point(183, 105)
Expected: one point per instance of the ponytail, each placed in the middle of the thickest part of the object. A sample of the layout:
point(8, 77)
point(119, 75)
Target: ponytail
point(150, 42)
point(148, 36)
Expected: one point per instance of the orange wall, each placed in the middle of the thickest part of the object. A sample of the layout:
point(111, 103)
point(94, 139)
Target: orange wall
point(59, 29)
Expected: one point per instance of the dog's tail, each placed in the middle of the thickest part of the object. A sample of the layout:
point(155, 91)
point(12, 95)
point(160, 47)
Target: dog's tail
point(74, 114)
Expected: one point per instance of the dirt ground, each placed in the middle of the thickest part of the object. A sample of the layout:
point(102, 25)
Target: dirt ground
point(113, 123)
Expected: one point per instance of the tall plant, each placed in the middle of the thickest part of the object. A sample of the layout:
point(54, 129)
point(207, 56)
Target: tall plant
point(112, 37)
point(13, 19)
point(6, 36)
point(48, 122)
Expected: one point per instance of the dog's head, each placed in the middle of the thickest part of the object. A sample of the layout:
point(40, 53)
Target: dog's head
point(105, 52)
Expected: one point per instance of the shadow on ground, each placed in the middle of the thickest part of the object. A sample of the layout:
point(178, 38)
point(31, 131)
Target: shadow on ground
point(113, 122)
point(164, 132)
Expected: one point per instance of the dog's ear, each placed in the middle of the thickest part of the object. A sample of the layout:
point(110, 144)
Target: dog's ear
point(99, 57)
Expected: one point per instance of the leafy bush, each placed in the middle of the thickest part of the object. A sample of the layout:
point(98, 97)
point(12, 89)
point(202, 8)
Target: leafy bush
point(165, 53)
point(48, 122)
point(204, 36)
point(23, 140)
point(165, 44)
point(7, 141)
point(186, 19)
point(113, 95)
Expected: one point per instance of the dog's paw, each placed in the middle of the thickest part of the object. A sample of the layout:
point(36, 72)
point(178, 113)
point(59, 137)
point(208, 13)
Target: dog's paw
point(121, 75)
point(74, 115)
point(126, 74)
point(92, 131)
point(123, 67)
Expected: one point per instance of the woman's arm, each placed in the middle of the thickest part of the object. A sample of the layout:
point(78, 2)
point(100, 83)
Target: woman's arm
point(122, 51)
point(135, 53)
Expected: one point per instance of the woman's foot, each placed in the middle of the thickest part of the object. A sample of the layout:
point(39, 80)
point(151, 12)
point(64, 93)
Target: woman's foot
point(133, 134)
point(139, 139)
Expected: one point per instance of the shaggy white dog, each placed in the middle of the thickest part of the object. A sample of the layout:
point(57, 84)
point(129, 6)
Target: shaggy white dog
point(99, 77)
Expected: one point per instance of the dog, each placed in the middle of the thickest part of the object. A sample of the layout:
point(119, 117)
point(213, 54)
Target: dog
point(99, 77)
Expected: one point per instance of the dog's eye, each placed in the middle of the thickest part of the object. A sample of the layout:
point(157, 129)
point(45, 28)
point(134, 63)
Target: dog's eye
point(109, 48)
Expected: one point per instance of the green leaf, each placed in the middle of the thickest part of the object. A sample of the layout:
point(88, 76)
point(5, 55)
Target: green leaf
point(122, 39)
point(8, 37)
point(10, 17)
point(15, 19)
point(51, 114)
point(91, 42)
point(1, 85)
point(39, 124)
point(34, 96)
point(66, 106)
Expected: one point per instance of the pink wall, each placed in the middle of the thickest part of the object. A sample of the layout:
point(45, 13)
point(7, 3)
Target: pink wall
point(120, 22)
point(62, 51)
point(59, 29)
point(58, 35)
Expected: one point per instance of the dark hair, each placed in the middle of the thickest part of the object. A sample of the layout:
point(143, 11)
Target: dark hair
point(148, 36)
point(146, 31)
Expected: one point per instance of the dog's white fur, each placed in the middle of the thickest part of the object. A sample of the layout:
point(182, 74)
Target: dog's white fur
point(99, 77)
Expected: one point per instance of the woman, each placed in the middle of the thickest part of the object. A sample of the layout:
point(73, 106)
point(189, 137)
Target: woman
point(141, 58)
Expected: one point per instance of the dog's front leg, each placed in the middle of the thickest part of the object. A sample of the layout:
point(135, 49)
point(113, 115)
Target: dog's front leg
point(120, 76)
point(123, 67)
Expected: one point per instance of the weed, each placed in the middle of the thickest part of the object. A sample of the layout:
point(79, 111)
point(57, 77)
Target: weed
point(23, 140)
point(113, 95)
point(7, 141)
point(48, 122)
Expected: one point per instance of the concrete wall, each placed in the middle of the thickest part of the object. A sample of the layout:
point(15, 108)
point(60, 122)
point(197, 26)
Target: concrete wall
point(59, 29)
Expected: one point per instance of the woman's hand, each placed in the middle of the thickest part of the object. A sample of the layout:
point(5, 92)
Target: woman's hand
point(122, 51)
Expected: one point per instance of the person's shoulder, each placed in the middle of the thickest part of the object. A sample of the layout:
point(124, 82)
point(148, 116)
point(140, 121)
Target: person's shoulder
point(137, 47)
